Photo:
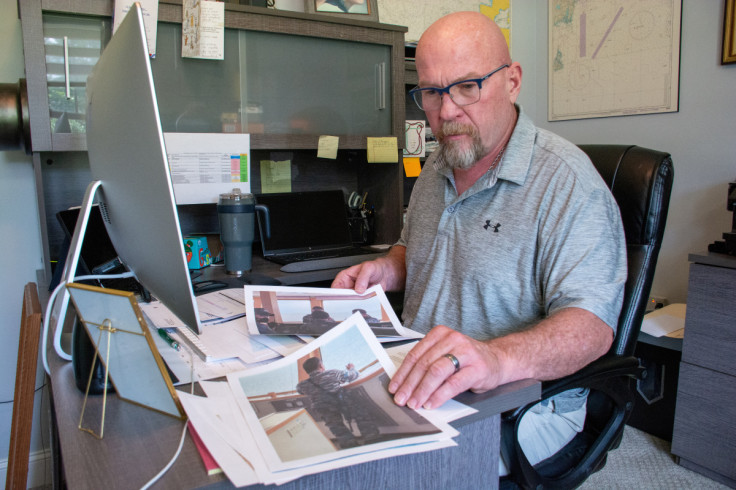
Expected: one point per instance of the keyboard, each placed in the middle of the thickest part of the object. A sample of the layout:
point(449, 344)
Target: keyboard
point(329, 262)
point(284, 259)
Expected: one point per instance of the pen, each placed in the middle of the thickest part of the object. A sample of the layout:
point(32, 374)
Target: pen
point(173, 343)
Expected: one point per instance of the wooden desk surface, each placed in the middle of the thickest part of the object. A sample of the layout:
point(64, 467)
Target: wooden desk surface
point(139, 442)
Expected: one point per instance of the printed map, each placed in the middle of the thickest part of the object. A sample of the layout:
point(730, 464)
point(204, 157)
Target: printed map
point(613, 57)
point(418, 15)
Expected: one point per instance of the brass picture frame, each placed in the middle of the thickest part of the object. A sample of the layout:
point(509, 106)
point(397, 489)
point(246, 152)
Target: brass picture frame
point(123, 342)
point(729, 33)
point(353, 9)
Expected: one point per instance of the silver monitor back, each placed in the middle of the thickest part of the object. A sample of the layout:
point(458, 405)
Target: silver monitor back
point(127, 154)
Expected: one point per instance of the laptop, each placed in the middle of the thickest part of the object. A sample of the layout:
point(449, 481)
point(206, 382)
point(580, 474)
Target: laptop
point(309, 231)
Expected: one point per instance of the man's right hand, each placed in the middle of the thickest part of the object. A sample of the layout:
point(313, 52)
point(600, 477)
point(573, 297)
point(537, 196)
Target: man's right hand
point(388, 271)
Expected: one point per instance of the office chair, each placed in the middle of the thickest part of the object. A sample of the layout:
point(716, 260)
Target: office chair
point(640, 180)
point(25, 381)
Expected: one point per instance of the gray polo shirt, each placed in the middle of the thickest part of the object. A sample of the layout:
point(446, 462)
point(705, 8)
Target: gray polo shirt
point(538, 234)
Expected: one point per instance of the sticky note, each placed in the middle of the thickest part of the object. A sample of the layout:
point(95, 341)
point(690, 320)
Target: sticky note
point(275, 176)
point(383, 150)
point(327, 146)
point(412, 167)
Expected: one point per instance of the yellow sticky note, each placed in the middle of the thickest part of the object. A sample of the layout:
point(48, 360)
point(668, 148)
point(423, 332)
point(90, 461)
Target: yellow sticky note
point(275, 176)
point(383, 150)
point(412, 167)
point(327, 147)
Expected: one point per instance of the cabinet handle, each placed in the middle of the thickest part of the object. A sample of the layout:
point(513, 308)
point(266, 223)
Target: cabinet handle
point(381, 86)
point(67, 86)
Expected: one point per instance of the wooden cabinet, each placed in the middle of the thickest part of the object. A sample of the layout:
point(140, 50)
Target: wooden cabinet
point(287, 78)
point(704, 436)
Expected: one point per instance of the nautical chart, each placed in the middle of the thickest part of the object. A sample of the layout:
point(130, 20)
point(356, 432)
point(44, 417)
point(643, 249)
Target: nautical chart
point(613, 57)
point(418, 15)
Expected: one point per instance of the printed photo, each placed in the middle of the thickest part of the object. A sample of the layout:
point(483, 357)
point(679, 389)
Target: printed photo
point(328, 398)
point(281, 310)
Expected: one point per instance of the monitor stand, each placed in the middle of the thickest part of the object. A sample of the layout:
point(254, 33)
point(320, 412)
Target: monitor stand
point(70, 268)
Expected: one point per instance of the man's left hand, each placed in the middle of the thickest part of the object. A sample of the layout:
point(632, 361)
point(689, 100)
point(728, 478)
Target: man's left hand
point(428, 378)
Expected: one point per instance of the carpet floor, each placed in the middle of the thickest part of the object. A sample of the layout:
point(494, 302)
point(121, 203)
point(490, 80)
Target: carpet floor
point(644, 461)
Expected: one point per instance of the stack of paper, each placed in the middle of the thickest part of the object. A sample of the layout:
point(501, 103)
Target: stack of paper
point(270, 424)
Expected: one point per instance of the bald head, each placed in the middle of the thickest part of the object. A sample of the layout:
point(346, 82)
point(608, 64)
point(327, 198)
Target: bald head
point(463, 35)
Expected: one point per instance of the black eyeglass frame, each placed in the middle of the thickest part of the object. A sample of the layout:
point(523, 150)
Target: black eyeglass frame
point(417, 91)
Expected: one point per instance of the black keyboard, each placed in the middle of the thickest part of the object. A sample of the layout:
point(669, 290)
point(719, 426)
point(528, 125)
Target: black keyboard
point(329, 262)
point(316, 255)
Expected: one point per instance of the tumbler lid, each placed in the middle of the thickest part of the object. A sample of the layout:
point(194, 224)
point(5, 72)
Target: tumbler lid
point(237, 196)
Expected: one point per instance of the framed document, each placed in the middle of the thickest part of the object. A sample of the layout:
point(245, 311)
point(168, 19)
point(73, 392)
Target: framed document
point(123, 341)
point(729, 32)
point(355, 9)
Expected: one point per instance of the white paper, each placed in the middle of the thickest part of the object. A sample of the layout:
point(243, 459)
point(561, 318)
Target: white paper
point(451, 409)
point(203, 30)
point(665, 320)
point(288, 305)
point(149, 8)
point(205, 165)
point(202, 413)
point(256, 383)
point(226, 435)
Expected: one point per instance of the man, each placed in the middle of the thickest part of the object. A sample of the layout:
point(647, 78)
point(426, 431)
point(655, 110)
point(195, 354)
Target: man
point(263, 321)
point(332, 404)
point(512, 257)
point(368, 318)
point(317, 313)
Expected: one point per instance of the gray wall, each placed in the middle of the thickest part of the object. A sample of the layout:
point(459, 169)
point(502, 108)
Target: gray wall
point(21, 252)
point(701, 138)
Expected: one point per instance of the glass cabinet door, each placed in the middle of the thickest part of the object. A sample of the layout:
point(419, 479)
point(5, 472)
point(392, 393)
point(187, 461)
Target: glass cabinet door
point(72, 46)
point(272, 83)
point(309, 85)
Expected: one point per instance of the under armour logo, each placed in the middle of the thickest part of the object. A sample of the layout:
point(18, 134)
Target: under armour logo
point(489, 225)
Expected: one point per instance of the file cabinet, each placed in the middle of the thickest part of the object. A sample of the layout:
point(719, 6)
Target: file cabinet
point(704, 435)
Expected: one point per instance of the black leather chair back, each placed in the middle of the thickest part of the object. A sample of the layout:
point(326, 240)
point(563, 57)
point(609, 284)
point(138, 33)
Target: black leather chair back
point(640, 180)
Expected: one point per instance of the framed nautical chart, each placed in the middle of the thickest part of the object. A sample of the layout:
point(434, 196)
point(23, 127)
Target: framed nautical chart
point(613, 58)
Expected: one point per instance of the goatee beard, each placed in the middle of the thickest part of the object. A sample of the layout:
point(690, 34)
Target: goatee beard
point(457, 156)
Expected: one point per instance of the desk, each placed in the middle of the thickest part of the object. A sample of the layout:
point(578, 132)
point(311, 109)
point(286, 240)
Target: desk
point(263, 269)
point(139, 442)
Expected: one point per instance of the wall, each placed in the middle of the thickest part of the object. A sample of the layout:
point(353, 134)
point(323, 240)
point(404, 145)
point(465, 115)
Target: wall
point(700, 137)
point(21, 253)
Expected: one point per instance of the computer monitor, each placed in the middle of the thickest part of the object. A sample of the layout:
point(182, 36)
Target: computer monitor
point(127, 156)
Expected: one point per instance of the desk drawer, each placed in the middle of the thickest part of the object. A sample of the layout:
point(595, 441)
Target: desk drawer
point(710, 329)
point(704, 431)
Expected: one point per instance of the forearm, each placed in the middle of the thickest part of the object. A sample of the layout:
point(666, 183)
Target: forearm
point(555, 347)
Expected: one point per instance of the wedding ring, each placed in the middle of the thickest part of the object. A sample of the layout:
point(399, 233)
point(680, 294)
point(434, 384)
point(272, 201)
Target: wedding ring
point(454, 361)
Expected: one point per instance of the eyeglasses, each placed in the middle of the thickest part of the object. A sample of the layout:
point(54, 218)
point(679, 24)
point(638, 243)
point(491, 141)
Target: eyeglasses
point(462, 93)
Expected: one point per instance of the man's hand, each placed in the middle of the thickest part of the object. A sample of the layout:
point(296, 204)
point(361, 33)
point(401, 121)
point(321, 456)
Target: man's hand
point(428, 379)
point(555, 347)
point(388, 271)
point(350, 366)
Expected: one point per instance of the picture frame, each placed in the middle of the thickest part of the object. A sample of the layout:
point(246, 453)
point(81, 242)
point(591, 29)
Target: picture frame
point(122, 340)
point(729, 33)
point(352, 9)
